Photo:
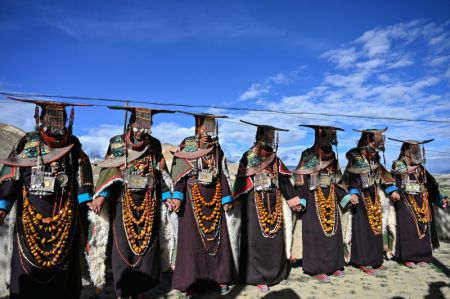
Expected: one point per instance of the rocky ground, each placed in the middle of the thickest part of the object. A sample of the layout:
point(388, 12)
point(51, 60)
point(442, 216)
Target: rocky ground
point(397, 281)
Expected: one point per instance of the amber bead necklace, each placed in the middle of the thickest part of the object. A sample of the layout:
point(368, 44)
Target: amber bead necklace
point(269, 222)
point(47, 238)
point(138, 241)
point(326, 210)
point(208, 225)
point(373, 211)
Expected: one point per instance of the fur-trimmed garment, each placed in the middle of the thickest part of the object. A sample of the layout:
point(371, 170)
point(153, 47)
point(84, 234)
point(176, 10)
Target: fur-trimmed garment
point(322, 254)
point(365, 247)
point(64, 279)
point(413, 236)
point(263, 260)
point(132, 273)
point(199, 260)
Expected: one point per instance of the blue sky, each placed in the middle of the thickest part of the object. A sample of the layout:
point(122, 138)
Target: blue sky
point(379, 58)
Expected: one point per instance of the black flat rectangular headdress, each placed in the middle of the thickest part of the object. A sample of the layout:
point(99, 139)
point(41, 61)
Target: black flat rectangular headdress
point(45, 103)
point(414, 142)
point(200, 115)
point(264, 126)
point(315, 127)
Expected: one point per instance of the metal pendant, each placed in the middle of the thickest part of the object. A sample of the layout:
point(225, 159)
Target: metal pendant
point(136, 182)
point(42, 183)
point(413, 187)
point(364, 177)
point(313, 181)
point(62, 179)
point(263, 181)
point(205, 177)
point(325, 180)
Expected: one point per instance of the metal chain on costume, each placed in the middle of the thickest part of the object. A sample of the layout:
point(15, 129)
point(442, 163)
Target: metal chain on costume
point(266, 218)
point(197, 202)
point(420, 234)
point(415, 211)
point(30, 234)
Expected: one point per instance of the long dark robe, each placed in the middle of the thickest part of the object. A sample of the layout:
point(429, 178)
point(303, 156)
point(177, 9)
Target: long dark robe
point(321, 254)
point(263, 260)
point(146, 273)
point(409, 248)
point(128, 280)
point(63, 281)
point(367, 248)
point(193, 264)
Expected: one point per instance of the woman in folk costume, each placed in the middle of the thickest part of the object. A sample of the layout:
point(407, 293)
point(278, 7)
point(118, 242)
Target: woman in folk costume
point(367, 181)
point(316, 181)
point(202, 199)
point(263, 187)
point(418, 191)
point(49, 178)
point(133, 181)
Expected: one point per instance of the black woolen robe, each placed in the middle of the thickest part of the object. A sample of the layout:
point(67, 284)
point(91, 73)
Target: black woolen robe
point(193, 264)
point(128, 280)
point(263, 260)
point(321, 253)
point(63, 281)
point(366, 248)
point(409, 248)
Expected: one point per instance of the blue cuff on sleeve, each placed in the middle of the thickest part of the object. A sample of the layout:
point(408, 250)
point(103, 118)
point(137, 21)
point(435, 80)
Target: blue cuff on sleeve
point(6, 205)
point(354, 191)
point(104, 193)
point(84, 197)
point(166, 196)
point(391, 189)
point(345, 200)
point(178, 195)
point(227, 199)
point(303, 202)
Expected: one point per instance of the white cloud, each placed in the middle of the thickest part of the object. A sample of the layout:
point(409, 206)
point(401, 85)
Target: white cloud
point(95, 141)
point(256, 90)
point(18, 114)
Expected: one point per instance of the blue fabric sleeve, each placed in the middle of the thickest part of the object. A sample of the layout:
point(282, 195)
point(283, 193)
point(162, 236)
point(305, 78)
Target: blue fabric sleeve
point(303, 202)
point(104, 193)
point(345, 200)
point(84, 197)
point(6, 205)
point(178, 195)
point(227, 199)
point(166, 195)
point(354, 191)
point(391, 189)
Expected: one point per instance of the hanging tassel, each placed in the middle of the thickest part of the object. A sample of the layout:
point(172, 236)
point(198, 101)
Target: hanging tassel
point(72, 116)
point(36, 118)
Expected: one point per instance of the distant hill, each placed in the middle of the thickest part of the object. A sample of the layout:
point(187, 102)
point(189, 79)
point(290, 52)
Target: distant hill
point(9, 135)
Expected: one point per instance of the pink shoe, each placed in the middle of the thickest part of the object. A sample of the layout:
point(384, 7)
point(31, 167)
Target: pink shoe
point(323, 278)
point(368, 270)
point(381, 268)
point(263, 288)
point(339, 273)
point(422, 264)
point(410, 265)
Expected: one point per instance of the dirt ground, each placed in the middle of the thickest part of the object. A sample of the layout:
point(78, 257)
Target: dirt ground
point(397, 281)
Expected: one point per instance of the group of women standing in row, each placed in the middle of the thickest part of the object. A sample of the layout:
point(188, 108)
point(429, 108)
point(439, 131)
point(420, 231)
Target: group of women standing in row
point(191, 220)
